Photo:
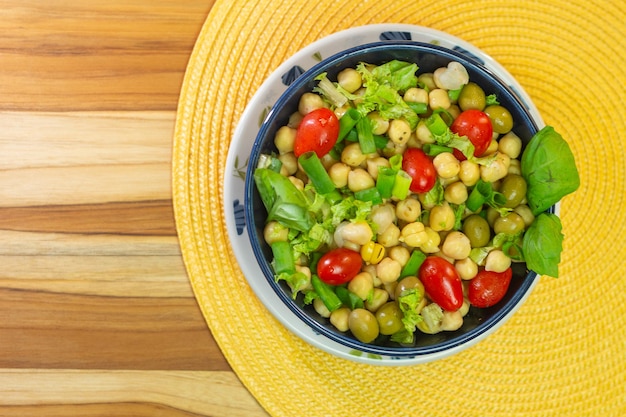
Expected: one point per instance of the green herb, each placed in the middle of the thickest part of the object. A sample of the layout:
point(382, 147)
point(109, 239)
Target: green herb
point(483, 193)
point(549, 168)
point(326, 293)
point(491, 99)
point(282, 200)
point(383, 85)
point(347, 123)
point(542, 245)
point(329, 91)
point(408, 302)
point(348, 298)
point(365, 135)
point(316, 172)
point(413, 265)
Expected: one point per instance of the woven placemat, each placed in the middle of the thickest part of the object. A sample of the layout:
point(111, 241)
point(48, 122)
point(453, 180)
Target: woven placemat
point(564, 352)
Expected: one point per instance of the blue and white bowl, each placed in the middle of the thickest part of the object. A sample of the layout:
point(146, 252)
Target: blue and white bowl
point(277, 99)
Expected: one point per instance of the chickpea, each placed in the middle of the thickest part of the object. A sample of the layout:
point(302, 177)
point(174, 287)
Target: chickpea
point(400, 254)
point(338, 174)
point(378, 298)
point(442, 217)
point(320, 308)
point(309, 102)
point(526, 214)
point(297, 182)
point(349, 79)
point(352, 155)
point(456, 245)
point(339, 318)
point(497, 261)
point(446, 165)
point(284, 139)
point(469, 173)
point(515, 167)
point(423, 133)
point(493, 145)
point(363, 325)
point(399, 131)
point(497, 169)
point(408, 210)
point(426, 79)
point(388, 270)
point(456, 193)
point(294, 120)
point(358, 232)
point(362, 285)
point(438, 99)
point(390, 237)
point(510, 144)
point(452, 320)
point(374, 165)
point(416, 95)
point(432, 243)
point(359, 179)
point(466, 268)
point(413, 234)
point(465, 307)
point(290, 162)
point(383, 216)
point(275, 232)
point(379, 125)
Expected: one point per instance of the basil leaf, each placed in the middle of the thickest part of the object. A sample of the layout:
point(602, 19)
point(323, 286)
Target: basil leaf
point(543, 244)
point(549, 168)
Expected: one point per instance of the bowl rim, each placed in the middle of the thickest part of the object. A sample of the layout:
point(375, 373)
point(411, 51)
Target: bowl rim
point(456, 342)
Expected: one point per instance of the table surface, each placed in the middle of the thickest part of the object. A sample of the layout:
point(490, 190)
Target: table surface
point(98, 315)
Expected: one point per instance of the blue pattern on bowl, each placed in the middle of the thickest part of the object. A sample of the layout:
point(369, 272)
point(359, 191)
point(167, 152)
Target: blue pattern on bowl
point(292, 75)
point(395, 36)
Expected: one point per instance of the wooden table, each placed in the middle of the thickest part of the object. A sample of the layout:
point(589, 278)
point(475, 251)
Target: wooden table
point(97, 316)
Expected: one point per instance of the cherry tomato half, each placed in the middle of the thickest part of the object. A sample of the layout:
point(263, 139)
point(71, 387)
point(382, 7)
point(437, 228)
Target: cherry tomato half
point(477, 126)
point(317, 132)
point(339, 266)
point(488, 287)
point(442, 283)
point(420, 168)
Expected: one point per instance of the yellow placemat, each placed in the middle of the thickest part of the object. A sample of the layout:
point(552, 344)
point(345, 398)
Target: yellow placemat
point(564, 352)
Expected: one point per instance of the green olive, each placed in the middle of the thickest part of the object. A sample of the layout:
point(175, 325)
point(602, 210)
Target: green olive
point(501, 118)
point(389, 317)
point(472, 96)
point(513, 188)
point(477, 230)
point(408, 283)
point(363, 325)
point(510, 224)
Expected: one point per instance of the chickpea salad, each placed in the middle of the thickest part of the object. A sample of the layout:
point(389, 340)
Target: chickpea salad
point(398, 200)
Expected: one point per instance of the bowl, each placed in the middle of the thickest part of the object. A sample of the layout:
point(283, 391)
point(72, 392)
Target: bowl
point(302, 319)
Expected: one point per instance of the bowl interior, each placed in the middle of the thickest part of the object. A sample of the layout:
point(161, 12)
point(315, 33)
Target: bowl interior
point(428, 57)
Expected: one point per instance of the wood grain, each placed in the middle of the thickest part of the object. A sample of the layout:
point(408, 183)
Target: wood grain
point(97, 316)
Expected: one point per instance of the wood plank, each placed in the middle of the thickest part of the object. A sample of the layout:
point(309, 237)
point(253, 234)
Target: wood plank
point(53, 139)
point(145, 218)
point(124, 393)
point(51, 330)
point(100, 55)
